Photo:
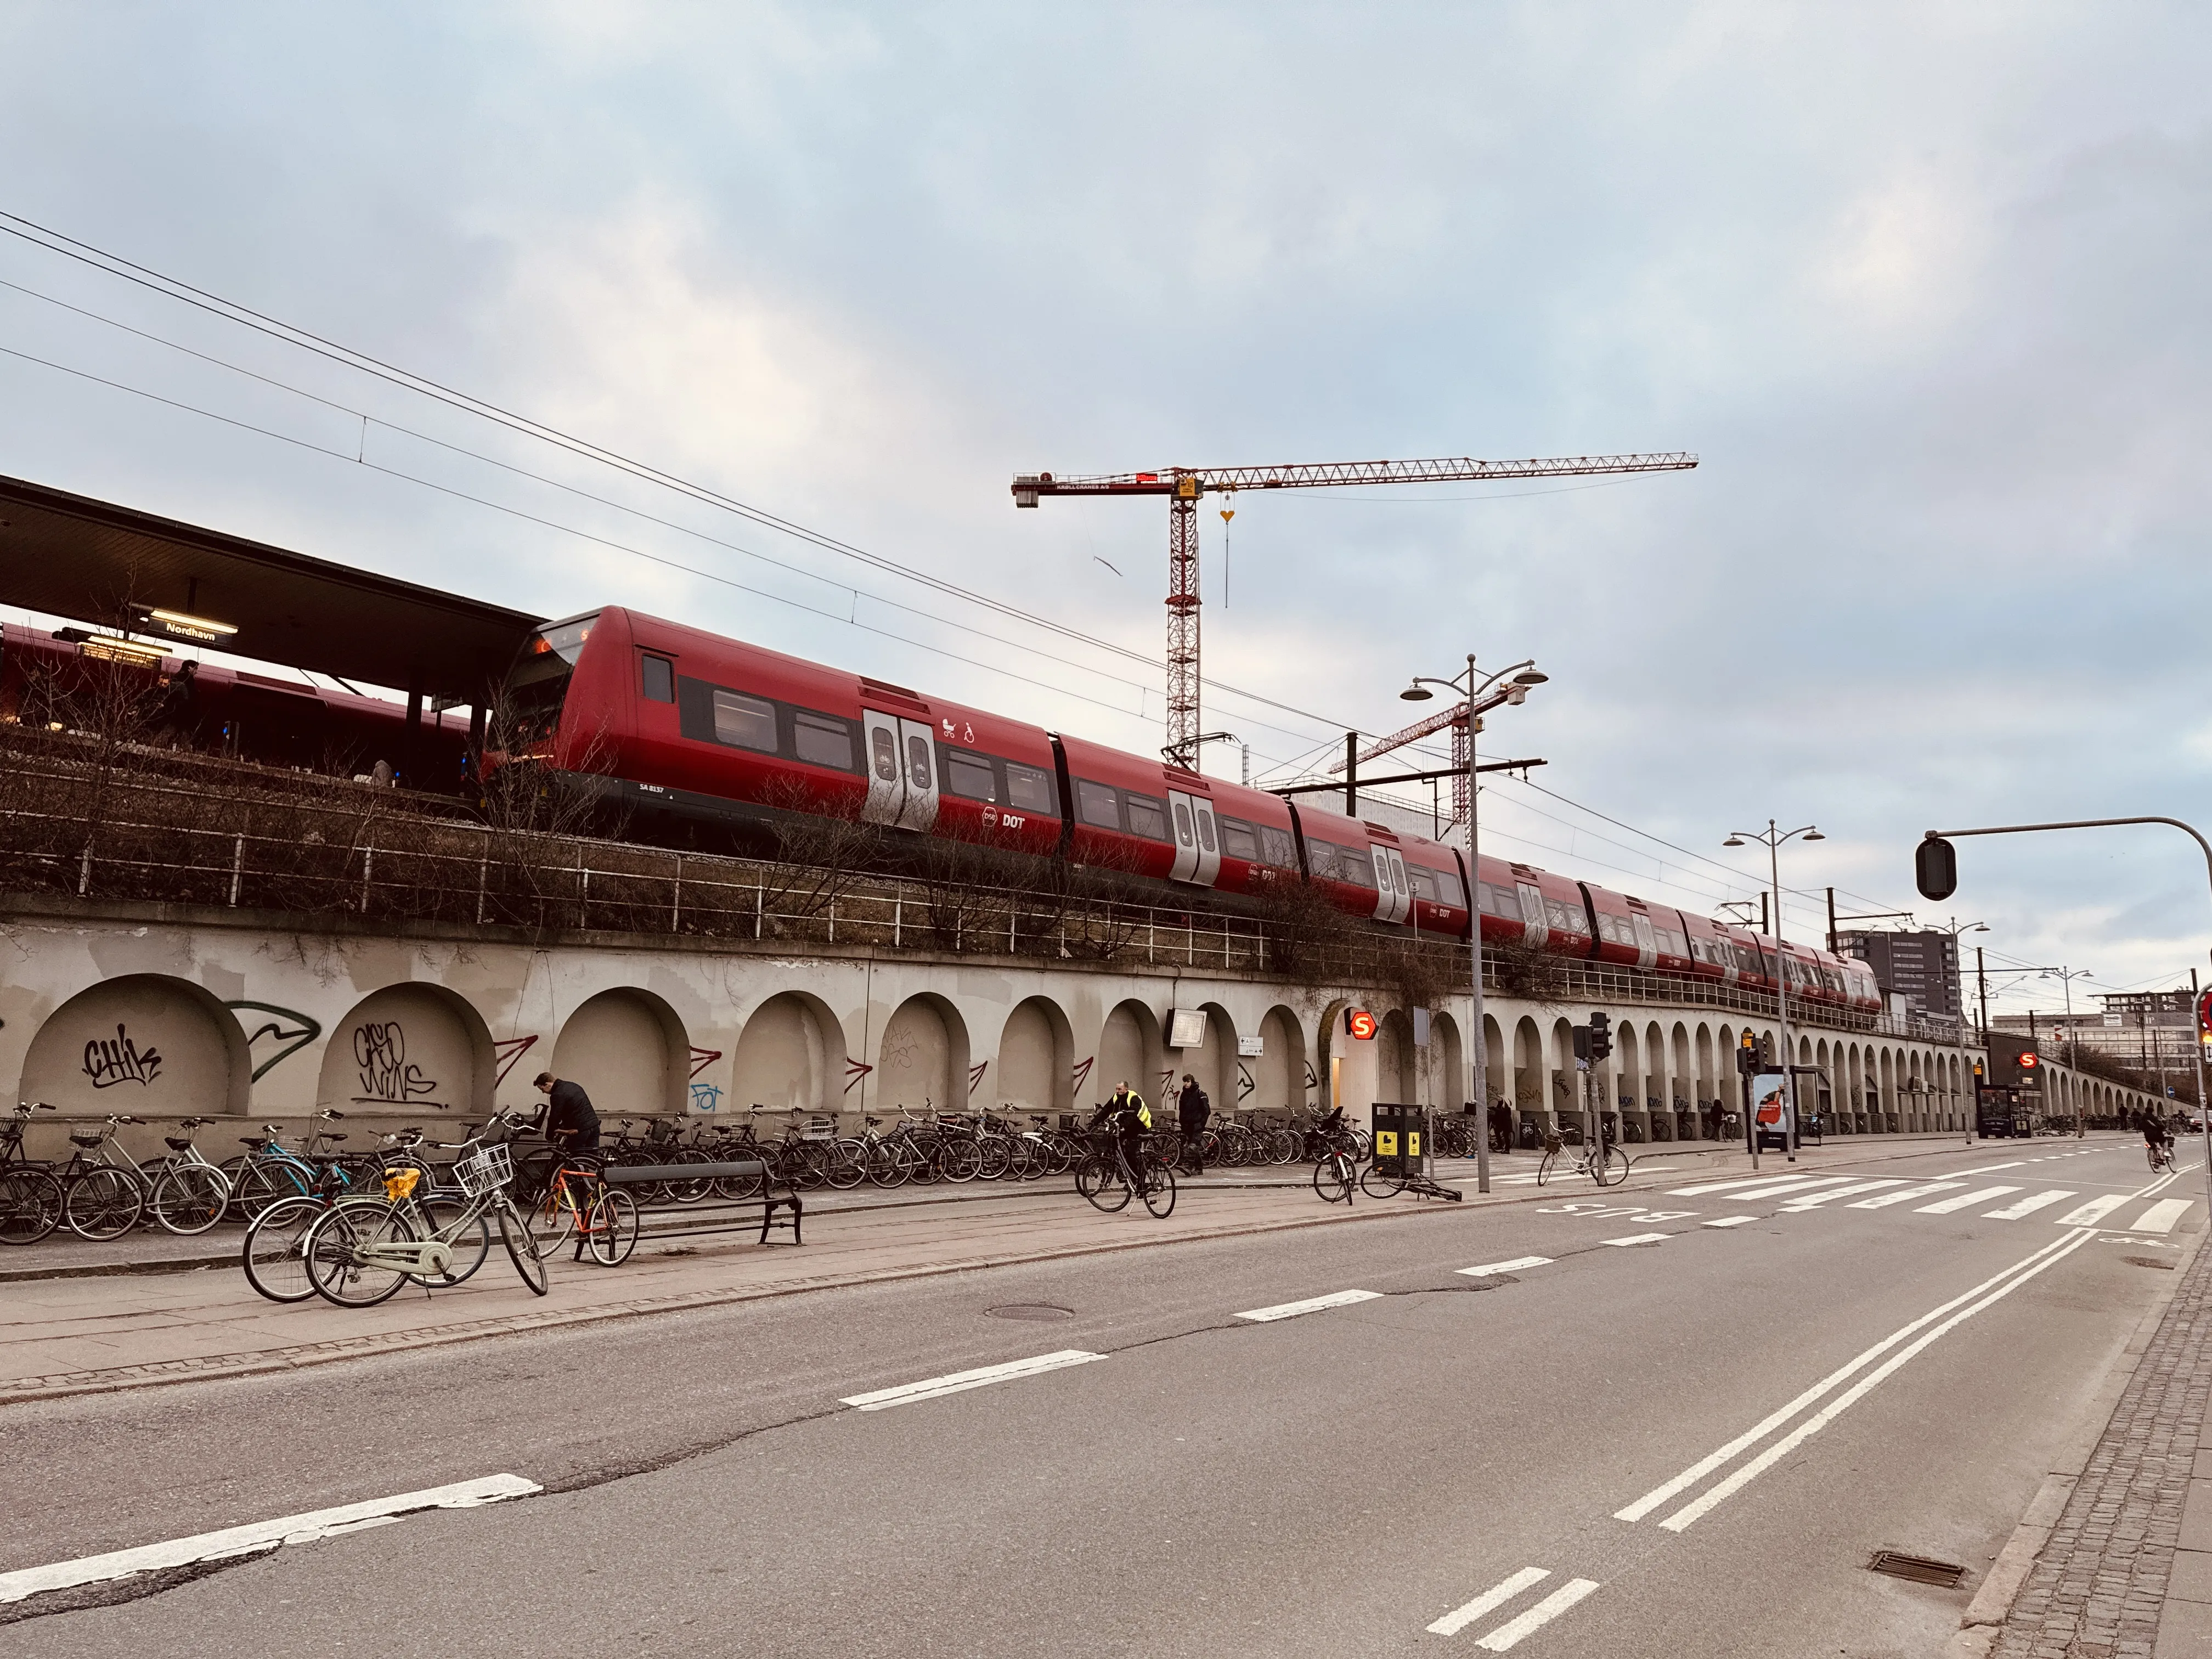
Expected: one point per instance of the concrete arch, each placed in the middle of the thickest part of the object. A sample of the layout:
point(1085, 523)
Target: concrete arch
point(1393, 1058)
point(1530, 1073)
point(1448, 1086)
point(791, 1055)
point(1563, 1083)
point(1706, 1077)
point(1497, 1078)
point(1278, 1075)
point(139, 1043)
point(1214, 1062)
point(1036, 1058)
point(1628, 1064)
point(630, 1053)
point(1655, 1069)
point(921, 1059)
point(408, 1045)
point(1130, 1051)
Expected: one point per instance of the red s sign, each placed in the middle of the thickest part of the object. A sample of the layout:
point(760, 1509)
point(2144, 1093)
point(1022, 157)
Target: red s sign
point(1360, 1023)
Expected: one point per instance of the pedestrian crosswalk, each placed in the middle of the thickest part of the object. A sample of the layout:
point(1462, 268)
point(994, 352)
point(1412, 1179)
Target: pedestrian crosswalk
point(1796, 1194)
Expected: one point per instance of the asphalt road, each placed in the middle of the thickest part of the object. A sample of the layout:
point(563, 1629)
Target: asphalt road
point(1334, 1482)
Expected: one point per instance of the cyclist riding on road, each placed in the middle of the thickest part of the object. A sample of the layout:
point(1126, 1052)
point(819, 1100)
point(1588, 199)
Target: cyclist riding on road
point(2156, 1139)
point(1130, 1118)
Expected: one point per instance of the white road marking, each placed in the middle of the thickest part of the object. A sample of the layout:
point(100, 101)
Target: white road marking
point(259, 1536)
point(1637, 1238)
point(1704, 1466)
point(1689, 1513)
point(1807, 1200)
point(2095, 1209)
point(2027, 1207)
point(1538, 1616)
point(2159, 1185)
point(1992, 1169)
point(1948, 1206)
point(932, 1388)
point(1926, 1190)
point(1311, 1304)
point(2161, 1216)
point(1762, 1183)
point(1495, 1596)
point(1512, 1266)
point(1732, 1221)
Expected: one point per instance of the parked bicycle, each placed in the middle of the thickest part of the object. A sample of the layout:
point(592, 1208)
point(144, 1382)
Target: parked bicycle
point(1607, 1166)
point(30, 1197)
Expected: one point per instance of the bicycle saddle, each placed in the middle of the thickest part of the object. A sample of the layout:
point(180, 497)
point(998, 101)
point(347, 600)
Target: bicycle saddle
point(177, 1143)
point(255, 1141)
point(334, 1138)
point(76, 1139)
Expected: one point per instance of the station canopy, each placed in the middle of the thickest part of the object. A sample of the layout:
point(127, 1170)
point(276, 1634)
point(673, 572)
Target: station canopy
point(109, 566)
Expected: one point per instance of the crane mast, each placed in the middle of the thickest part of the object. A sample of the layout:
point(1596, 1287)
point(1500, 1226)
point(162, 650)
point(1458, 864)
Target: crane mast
point(1184, 485)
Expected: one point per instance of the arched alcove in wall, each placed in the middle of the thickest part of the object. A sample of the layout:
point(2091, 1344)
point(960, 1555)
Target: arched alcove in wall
point(628, 1050)
point(408, 1045)
point(790, 1055)
point(922, 1060)
point(1279, 1072)
point(139, 1043)
point(1036, 1058)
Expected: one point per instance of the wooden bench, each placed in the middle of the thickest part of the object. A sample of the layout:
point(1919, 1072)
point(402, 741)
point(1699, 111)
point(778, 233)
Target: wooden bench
point(779, 1211)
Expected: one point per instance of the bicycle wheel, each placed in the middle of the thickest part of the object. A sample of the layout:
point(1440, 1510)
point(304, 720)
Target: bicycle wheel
point(190, 1198)
point(102, 1203)
point(554, 1214)
point(844, 1163)
point(739, 1188)
point(471, 1243)
point(1611, 1169)
point(688, 1192)
point(30, 1205)
point(275, 1253)
point(1160, 1190)
point(1101, 1180)
point(994, 1156)
point(1332, 1177)
point(959, 1160)
point(522, 1251)
point(335, 1244)
point(613, 1227)
point(1544, 1170)
point(1376, 1181)
point(260, 1182)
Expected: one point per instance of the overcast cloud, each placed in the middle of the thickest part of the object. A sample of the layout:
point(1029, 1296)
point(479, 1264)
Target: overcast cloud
point(1922, 285)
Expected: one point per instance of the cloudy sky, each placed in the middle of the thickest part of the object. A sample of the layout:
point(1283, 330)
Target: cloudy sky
point(1921, 285)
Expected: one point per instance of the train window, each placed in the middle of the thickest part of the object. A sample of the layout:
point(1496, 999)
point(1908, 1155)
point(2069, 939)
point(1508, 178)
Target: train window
point(1030, 789)
point(1425, 882)
point(745, 722)
point(1205, 831)
point(823, 739)
point(1352, 870)
point(1320, 859)
point(1276, 848)
point(1148, 817)
point(1238, 841)
point(1183, 823)
point(659, 680)
point(970, 776)
point(886, 753)
point(1565, 918)
point(1095, 804)
point(917, 763)
point(1448, 890)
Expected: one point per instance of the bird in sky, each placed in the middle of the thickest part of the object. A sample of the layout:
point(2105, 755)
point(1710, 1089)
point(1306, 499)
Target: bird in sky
point(1095, 559)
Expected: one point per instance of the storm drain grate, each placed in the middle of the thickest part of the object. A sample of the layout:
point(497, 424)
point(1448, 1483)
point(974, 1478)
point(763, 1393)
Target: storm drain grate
point(1030, 1310)
point(1920, 1569)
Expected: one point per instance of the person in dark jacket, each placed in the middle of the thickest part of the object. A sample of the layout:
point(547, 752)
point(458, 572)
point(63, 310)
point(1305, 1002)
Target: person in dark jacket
point(570, 1122)
point(1192, 1108)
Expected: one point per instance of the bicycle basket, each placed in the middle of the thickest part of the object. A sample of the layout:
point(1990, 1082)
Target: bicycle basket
point(484, 1171)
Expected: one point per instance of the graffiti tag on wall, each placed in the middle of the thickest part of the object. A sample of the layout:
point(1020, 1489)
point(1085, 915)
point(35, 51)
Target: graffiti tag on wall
point(379, 1051)
point(705, 1097)
point(287, 1028)
point(108, 1063)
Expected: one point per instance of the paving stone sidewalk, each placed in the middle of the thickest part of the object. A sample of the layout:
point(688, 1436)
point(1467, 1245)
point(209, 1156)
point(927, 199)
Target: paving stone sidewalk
point(2126, 1571)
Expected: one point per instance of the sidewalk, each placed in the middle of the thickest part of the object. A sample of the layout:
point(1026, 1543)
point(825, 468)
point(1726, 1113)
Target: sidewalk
point(2114, 1557)
point(73, 1333)
point(150, 1251)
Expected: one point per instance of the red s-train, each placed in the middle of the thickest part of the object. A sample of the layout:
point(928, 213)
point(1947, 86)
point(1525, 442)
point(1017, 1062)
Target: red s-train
point(684, 725)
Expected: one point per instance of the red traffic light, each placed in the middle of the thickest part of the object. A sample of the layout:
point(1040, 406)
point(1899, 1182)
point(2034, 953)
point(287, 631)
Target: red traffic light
point(1360, 1024)
point(2028, 1061)
point(2204, 1013)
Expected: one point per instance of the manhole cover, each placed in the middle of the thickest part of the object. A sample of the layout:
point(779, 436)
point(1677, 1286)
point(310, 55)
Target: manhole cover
point(1921, 1568)
point(1030, 1310)
point(2147, 1261)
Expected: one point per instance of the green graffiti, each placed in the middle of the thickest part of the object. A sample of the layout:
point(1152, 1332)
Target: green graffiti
point(296, 1030)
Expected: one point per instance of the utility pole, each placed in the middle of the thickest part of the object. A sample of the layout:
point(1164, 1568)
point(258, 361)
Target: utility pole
point(1831, 921)
point(1982, 977)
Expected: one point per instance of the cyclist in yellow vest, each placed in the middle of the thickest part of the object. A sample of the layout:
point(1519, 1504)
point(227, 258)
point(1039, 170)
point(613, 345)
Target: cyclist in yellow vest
point(1132, 1118)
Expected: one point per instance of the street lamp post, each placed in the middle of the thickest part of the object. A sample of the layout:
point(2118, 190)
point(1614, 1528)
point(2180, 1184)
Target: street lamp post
point(1773, 839)
point(1525, 675)
point(2068, 1050)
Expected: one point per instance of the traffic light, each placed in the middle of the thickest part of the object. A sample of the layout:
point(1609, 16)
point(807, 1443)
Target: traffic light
point(1747, 1055)
point(1766, 1051)
point(1936, 868)
point(1582, 1043)
point(1601, 1037)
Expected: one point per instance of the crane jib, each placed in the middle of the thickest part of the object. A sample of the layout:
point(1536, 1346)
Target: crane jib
point(1317, 474)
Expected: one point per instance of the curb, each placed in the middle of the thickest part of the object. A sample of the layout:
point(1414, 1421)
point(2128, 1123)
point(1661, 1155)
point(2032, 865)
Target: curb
point(1985, 1615)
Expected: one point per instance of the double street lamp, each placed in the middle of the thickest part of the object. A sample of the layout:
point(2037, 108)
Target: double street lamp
point(1515, 690)
point(1772, 839)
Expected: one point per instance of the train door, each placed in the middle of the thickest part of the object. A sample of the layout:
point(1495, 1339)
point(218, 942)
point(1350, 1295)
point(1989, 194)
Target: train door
point(1647, 944)
point(1209, 840)
point(1405, 885)
point(1536, 931)
point(1182, 809)
point(886, 802)
point(1394, 894)
point(920, 810)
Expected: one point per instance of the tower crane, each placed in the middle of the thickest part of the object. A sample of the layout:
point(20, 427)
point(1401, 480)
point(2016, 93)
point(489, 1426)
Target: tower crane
point(1184, 485)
